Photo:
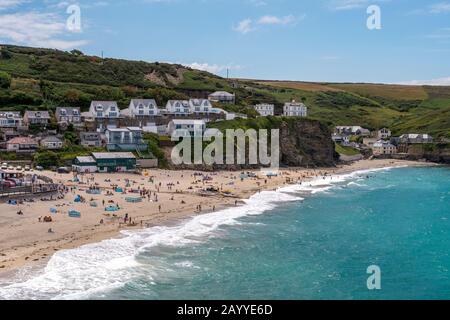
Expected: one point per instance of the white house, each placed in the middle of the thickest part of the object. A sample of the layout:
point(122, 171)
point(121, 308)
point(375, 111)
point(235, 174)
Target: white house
point(85, 165)
point(193, 127)
point(11, 119)
point(178, 107)
point(104, 110)
point(222, 97)
point(353, 130)
point(295, 109)
point(383, 148)
point(22, 144)
point(200, 106)
point(141, 108)
point(341, 139)
point(51, 143)
point(36, 117)
point(416, 138)
point(125, 139)
point(384, 134)
point(265, 109)
point(68, 115)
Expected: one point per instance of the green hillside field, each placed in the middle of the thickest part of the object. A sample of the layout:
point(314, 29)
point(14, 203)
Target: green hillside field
point(34, 78)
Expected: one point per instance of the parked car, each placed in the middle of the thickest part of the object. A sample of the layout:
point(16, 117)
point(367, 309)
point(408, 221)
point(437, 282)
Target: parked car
point(4, 166)
point(8, 184)
point(19, 168)
point(17, 182)
point(10, 168)
point(27, 168)
point(39, 168)
point(63, 170)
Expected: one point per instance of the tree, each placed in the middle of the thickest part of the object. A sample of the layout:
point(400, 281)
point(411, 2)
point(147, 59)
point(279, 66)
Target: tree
point(5, 80)
point(47, 159)
point(77, 52)
point(5, 54)
point(71, 137)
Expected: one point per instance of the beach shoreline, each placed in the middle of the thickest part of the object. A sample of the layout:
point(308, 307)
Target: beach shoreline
point(25, 242)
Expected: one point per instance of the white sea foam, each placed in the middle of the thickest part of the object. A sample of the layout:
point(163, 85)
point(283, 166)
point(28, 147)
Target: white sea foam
point(82, 272)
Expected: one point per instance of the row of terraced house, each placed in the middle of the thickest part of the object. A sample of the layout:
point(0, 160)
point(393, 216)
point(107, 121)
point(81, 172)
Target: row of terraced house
point(106, 125)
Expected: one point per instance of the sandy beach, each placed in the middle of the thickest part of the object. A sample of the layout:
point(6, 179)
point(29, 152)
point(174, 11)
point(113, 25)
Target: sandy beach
point(164, 197)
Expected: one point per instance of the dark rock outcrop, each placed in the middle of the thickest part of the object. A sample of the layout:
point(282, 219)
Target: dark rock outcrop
point(303, 143)
point(438, 153)
point(306, 143)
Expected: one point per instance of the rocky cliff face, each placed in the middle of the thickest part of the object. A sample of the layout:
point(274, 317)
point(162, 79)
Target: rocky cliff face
point(439, 153)
point(303, 143)
point(306, 143)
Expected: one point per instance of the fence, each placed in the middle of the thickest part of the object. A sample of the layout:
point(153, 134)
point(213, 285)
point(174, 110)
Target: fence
point(28, 190)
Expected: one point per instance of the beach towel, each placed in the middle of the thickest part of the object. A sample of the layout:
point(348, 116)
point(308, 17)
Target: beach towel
point(74, 214)
point(133, 200)
point(111, 209)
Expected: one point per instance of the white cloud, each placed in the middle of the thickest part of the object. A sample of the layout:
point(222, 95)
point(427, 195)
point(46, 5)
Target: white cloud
point(277, 20)
point(245, 26)
point(350, 4)
point(36, 29)
point(213, 68)
point(8, 4)
point(432, 82)
point(249, 25)
point(442, 7)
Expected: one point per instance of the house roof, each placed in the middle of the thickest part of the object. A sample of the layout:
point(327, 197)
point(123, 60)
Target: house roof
point(38, 114)
point(69, 110)
point(105, 103)
point(84, 134)
point(51, 139)
point(22, 140)
point(113, 155)
point(183, 103)
point(14, 114)
point(87, 159)
point(294, 104)
point(188, 121)
point(260, 105)
point(415, 136)
point(199, 102)
point(383, 144)
point(144, 102)
point(221, 94)
point(125, 129)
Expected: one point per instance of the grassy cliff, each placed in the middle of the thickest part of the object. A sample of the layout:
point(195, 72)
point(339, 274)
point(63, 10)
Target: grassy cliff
point(44, 78)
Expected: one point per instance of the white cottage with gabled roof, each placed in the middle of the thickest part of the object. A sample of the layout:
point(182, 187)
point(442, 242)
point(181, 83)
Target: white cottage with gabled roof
point(178, 107)
point(141, 108)
point(295, 109)
point(104, 110)
point(200, 106)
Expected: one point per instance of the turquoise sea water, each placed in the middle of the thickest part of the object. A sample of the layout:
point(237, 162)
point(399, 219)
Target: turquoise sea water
point(277, 246)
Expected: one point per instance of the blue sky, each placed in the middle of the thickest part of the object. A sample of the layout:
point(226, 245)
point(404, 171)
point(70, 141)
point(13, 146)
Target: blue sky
point(310, 40)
